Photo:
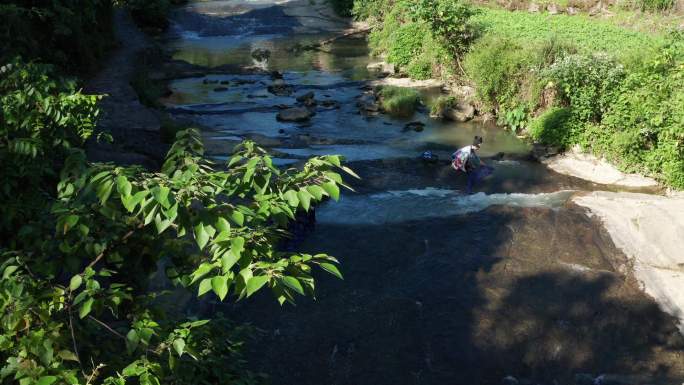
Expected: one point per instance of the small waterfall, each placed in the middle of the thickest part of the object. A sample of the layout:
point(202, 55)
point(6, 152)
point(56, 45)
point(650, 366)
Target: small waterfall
point(415, 204)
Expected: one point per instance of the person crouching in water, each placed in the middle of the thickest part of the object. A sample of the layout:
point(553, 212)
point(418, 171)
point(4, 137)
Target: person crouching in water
point(467, 160)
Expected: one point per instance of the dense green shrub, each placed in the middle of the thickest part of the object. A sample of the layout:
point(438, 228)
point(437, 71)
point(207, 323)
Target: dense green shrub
point(41, 119)
point(420, 68)
point(646, 118)
point(399, 101)
point(552, 127)
point(449, 21)
point(73, 34)
point(656, 5)
point(342, 7)
point(79, 242)
point(150, 13)
point(372, 9)
point(420, 45)
point(498, 67)
point(514, 118)
point(587, 83)
point(406, 43)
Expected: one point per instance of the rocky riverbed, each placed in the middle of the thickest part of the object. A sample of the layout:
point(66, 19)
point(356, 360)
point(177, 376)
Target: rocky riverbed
point(518, 283)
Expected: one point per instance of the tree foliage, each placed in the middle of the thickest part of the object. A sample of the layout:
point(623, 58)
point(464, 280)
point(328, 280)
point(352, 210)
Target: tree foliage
point(77, 256)
point(450, 21)
point(72, 34)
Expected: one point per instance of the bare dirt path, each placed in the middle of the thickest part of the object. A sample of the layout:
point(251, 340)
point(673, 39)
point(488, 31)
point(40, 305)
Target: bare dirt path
point(134, 127)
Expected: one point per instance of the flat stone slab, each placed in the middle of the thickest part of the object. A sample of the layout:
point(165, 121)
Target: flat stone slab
point(591, 168)
point(650, 230)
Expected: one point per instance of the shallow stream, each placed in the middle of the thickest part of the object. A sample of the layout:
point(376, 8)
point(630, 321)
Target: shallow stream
point(440, 287)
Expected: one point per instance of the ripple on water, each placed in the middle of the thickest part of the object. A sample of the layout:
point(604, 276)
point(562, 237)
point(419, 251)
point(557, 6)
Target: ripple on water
point(415, 204)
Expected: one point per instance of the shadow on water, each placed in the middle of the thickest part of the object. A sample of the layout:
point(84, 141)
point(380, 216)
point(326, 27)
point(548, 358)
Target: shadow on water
point(527, 292)
point(442, 295)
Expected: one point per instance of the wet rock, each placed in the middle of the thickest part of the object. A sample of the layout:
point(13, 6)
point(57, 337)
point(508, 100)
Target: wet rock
point(552, 9)
point(330, 104)
point(461, 112)
point(600, 9)
point(294, 114)
point(541, 152)
point(281, 131)
point(276, 75)
point(415, 126)
point(250, 96)
point(465, 93)
point(261, 54)
point(370, 107)
point(210, 81)
point(533, 8)
point(225, 82)
point(510, 380)
point(307, 96)
point(220, 89)
point(279, 88)
point(241, 82)
point(384, 67)
point(310, 103)
point(281, 106)
point(368, 103)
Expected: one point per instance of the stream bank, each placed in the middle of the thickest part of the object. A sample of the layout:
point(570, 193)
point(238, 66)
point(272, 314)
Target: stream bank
point(134, 127)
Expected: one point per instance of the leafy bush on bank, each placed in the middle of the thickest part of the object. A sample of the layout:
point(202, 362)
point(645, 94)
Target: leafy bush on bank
point(342, 7)
point(631, 116)
point(419, 37)
point(151, 15)
point(72, 34)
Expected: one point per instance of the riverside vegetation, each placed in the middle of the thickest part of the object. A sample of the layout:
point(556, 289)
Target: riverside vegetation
point(565, 80)
point(80, 239)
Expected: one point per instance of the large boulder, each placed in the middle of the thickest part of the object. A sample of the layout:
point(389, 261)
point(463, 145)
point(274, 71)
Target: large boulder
point(294, 114)
point(415, 126)
point(383, 67)
point(461, 112)
point(304, 97)
point(367, 103)
point(279, 88)
point(330, 104)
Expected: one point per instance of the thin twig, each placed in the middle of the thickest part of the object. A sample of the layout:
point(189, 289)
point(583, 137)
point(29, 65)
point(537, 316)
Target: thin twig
point(73, 339)
point(460, 67)
point(123, 240)
point(94, 373)
point(107, 327)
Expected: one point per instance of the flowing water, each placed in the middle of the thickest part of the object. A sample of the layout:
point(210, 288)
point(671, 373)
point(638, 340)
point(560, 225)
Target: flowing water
point(440, 287)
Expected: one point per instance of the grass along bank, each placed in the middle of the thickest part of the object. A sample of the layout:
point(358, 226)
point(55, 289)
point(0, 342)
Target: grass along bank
point(563, 80)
